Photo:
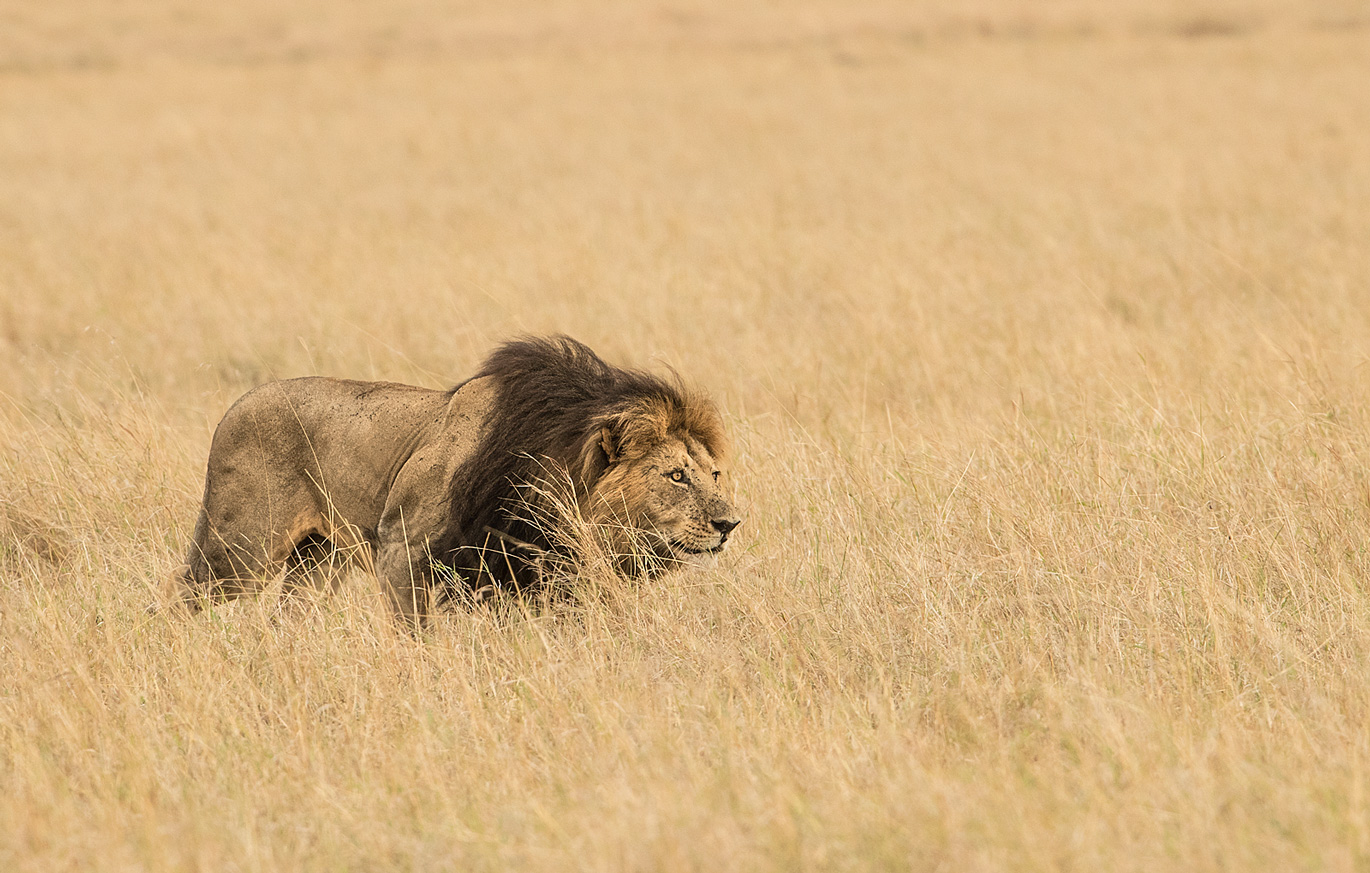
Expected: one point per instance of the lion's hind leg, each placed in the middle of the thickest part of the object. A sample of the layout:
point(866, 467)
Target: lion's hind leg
point(220, 567)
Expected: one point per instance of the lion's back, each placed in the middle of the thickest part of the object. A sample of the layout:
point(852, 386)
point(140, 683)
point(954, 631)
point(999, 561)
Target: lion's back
point(344, 438)
point(317, 413)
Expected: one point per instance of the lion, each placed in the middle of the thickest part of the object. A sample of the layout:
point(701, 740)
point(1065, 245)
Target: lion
point(469, 487)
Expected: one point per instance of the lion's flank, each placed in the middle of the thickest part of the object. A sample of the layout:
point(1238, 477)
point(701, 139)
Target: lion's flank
point(561, 415)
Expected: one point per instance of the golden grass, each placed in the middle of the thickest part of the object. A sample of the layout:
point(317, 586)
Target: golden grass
point(1042, 332)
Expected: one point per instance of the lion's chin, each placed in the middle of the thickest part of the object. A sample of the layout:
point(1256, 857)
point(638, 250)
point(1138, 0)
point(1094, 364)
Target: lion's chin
point(653, 552)
point(695, 556)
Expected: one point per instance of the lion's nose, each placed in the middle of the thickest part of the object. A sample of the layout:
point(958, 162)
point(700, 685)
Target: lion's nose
point(725, 526)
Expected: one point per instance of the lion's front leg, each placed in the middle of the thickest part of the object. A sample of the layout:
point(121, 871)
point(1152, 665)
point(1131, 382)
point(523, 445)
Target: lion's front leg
point(416, 512)
point(406, 580)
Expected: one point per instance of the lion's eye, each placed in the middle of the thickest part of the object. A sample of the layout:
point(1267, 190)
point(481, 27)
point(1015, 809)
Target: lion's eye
point(715, 475)
point(677, 475)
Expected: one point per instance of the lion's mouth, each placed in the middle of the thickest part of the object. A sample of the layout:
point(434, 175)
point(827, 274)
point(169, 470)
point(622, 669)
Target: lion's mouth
point(691, 551)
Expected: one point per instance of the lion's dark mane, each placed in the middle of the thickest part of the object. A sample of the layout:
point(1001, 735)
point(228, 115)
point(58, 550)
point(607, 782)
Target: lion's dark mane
point(552, 395)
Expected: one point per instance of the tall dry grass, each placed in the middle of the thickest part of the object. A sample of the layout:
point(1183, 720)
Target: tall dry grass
point(1041, 330)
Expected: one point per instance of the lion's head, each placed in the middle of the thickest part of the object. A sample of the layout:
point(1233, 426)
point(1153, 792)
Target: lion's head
point(658, 489)
point(637, 456)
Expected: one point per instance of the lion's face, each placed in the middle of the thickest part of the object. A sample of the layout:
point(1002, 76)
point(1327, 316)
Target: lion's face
point(666, 503)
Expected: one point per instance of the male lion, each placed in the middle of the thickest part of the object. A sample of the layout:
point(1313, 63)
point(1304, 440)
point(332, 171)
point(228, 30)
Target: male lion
point(477, 479)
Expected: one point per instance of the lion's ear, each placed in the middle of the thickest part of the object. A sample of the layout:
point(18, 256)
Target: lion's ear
point(610, 446)
point(600, 451)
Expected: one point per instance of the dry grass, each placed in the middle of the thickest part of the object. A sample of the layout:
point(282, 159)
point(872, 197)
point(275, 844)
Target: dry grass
point(1042, 332)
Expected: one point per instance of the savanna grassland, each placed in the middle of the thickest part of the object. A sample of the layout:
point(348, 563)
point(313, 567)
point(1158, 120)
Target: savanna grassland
point(1042, 331)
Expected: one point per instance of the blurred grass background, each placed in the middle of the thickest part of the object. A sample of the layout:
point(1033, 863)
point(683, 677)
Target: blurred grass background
point(1041, 330)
